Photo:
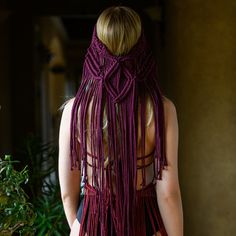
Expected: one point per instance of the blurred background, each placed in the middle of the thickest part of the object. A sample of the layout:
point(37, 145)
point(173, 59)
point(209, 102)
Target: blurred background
point(42, 48)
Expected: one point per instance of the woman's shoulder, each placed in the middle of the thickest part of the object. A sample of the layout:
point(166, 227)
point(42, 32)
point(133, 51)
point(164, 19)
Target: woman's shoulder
point(169, 108)
point(168, 103)
point(67, 113)
point(66, 109)
point(67, 105)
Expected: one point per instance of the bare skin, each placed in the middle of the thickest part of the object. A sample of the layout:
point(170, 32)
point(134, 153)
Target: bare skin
point(168, 191)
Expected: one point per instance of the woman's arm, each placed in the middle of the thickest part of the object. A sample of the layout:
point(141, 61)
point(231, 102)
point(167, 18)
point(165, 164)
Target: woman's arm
point(69, 180)
point(168, 190)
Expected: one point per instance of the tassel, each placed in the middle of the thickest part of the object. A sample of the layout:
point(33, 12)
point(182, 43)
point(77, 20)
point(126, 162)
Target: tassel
point(116, 84)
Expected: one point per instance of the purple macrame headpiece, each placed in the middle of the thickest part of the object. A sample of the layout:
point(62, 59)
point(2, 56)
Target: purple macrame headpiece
point(118, 83)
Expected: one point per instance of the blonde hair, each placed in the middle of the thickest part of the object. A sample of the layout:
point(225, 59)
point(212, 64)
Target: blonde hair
point(119, 28)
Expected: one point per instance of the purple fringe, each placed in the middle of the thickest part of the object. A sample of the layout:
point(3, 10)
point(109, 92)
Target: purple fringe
point(117, 82)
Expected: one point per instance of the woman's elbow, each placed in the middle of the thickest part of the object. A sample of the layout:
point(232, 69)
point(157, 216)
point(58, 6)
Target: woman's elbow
point(169, 192)
point(171, 196)
point(65, 196)
point(70, 195)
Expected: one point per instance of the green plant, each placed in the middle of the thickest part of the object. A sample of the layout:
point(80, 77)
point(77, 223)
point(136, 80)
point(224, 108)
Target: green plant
point(50, 216)
point(16, 213)
point(42, 161)
point(44, 187)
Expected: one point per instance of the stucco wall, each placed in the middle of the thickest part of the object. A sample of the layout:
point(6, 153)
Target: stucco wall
point(200, 77)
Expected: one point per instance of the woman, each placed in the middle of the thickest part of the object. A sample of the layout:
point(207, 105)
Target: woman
point(120, 134)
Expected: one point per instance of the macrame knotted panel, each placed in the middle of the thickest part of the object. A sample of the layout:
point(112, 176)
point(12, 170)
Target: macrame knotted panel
point(117, 85)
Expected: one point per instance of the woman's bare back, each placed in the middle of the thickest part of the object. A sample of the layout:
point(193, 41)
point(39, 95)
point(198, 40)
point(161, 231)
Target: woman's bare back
point(149, 147)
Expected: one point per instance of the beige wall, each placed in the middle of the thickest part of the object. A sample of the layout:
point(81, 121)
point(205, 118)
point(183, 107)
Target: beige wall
point(54, 39)
point(200, 78)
